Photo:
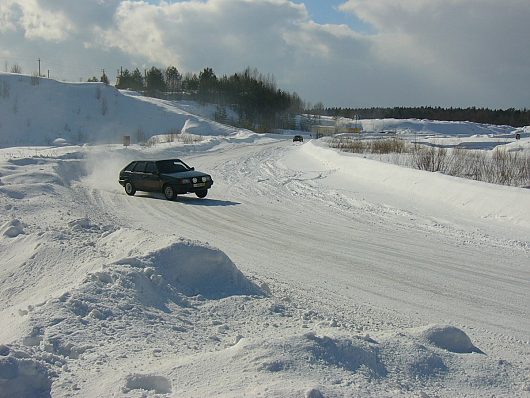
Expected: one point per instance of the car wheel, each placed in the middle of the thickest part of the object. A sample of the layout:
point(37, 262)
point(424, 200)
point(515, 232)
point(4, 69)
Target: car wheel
point(169, 192)
point(129, 188)
point(201, 194)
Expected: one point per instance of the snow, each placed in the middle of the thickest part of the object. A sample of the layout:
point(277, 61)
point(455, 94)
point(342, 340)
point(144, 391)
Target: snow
point(57, 113)
point(304, 273)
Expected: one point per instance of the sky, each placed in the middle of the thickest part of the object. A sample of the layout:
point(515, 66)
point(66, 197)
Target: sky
point(341, 53)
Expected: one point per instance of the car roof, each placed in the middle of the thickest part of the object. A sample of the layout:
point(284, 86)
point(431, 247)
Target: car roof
point(157, 160)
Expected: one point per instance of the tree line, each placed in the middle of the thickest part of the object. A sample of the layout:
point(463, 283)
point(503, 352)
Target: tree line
point(511, 116)
point(252, 100)
point(251, 96)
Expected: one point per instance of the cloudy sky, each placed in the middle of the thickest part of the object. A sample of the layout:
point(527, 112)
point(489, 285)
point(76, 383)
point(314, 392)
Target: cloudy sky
point(343, 53)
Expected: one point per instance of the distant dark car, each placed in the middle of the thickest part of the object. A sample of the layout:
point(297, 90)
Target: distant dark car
point(171, 177)
point(298, 138)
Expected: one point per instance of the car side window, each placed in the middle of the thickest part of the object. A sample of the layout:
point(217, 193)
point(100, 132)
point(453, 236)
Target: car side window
point(150, 168)
point(140, 167)
point(130, 167)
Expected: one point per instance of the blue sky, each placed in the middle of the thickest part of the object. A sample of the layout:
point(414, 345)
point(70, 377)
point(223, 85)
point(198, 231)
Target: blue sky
point(327, 12)
point(322, 12)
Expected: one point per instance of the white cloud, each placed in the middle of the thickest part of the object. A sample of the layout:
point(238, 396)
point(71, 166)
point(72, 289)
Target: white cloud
point(34, 20)
point(9, 14)
point(196, 34)
point(446, 52)
point(476, 49)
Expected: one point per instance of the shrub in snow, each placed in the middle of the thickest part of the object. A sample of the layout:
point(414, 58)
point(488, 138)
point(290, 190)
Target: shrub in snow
point(501, 166)
point(35, 79)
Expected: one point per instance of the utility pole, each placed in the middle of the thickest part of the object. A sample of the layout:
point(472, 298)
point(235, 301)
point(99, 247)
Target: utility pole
point(39, 66)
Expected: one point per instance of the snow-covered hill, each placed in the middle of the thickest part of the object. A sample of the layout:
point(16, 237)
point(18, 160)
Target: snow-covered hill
point(306, 272)
point(38, 114)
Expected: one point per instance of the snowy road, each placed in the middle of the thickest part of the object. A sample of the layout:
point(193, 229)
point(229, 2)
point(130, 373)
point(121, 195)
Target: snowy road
point(288, 218)
point(353, 260)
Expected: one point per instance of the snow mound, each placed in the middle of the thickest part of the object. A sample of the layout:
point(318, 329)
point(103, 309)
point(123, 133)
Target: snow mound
point(449, 338)
point(12, 229)
point(156, 384)
point(313, 393)
point(22, 376)
point(60, 142)
point(349, 354)
point(294, 353)
point(193, 268)
point(338, 363)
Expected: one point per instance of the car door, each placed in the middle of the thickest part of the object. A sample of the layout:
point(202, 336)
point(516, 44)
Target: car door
point(152, 178)
point(138, 173)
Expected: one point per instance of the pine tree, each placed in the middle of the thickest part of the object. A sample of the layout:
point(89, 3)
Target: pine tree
point(154, 81)
point(173, 79)
point(137, 80)
point(207, 84)
point(104, 78)
point(124, 80)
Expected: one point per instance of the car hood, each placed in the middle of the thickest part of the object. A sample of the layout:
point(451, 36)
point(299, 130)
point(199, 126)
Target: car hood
point(184, 174)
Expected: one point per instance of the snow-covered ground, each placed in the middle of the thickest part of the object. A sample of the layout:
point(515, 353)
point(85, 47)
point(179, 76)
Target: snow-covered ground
point(305, 272)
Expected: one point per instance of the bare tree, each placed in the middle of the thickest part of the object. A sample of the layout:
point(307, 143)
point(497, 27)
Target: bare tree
point(16, 68)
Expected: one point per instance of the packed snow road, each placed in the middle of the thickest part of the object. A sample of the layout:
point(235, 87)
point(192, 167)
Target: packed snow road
point(337, 269)
point(317, 231)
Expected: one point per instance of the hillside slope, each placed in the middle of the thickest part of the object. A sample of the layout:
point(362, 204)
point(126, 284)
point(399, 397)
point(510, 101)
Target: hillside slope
point(34, 113)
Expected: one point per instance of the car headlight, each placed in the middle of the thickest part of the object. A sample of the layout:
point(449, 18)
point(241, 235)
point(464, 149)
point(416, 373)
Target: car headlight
point(204, 179)
point(194, 180)
point(185, 181)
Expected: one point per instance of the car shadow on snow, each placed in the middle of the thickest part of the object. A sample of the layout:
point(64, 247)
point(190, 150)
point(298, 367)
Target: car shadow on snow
point(206, 201)
point(191, 200)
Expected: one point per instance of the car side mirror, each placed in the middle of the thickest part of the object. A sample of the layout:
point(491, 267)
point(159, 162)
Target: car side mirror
point(193, 168)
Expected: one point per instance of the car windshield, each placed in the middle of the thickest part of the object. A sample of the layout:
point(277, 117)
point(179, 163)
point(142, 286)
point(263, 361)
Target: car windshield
point(171, 166)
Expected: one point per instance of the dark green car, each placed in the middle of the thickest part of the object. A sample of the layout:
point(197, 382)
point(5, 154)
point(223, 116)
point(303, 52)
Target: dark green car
point(172, 177)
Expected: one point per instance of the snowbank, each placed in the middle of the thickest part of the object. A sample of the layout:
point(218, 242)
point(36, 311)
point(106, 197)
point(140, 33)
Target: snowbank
point(194, 269)
point(482, 200)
